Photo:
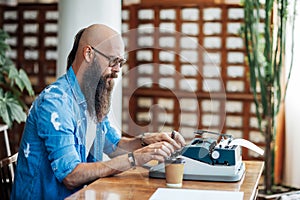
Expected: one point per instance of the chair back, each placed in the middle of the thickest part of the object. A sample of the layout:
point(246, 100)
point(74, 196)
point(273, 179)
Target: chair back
point(7, 172)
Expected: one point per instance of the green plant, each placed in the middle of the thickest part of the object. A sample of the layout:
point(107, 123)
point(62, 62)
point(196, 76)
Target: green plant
point(265, 55)
point(13, 84)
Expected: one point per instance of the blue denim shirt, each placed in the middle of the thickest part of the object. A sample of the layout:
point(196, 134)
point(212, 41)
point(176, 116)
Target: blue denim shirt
point(53, 141)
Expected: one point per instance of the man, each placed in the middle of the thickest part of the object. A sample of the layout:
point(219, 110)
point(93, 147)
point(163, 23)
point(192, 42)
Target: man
point(67, 129)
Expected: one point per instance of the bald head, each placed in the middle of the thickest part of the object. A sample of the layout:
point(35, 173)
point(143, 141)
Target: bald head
point(97, 34)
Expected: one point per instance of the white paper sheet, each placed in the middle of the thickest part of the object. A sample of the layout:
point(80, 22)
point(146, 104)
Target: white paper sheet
point(191, 194)
point(247, 144)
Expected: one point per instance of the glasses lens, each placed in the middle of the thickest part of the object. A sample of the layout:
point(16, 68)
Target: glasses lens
point(122, 62)
point(117, 61)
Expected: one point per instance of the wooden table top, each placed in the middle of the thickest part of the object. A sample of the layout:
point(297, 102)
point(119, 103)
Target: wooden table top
point(136, 184)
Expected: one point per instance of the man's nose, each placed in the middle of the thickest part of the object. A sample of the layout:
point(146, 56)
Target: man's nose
point(116, 68)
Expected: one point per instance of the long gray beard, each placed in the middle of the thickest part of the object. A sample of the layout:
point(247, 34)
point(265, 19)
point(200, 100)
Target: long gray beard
point(103, 98)
point(97, 92)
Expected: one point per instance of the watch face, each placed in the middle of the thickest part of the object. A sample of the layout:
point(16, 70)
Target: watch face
point(131, 159)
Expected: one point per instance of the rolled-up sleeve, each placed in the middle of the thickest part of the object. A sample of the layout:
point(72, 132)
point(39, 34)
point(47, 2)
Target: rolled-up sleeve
point(57, 128)
point(112, 138)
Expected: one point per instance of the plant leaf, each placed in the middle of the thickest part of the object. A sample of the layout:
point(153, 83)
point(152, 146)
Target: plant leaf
point(3, 109)
point(12, 74)
point(15, 110)
point(26, 82)
point(10, 109)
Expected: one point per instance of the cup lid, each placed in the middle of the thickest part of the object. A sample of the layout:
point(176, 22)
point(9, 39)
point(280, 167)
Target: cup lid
point(177, 160)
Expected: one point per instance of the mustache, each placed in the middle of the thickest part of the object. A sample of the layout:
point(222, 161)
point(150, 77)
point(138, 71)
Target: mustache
point(112, 75)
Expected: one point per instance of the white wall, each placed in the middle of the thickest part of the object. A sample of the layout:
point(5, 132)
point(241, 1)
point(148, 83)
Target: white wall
point(77, 14)
point(292, 156)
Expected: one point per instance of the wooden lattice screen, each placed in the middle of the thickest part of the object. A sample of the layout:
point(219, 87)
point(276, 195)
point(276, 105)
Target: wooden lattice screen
point(186, 71)
point(33, 38)
point(186, 65)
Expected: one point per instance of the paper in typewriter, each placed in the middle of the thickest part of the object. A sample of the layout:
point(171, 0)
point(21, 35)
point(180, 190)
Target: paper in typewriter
point(247, 144)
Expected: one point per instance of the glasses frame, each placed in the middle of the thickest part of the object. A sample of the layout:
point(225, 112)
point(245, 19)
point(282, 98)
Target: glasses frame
point(113, 61)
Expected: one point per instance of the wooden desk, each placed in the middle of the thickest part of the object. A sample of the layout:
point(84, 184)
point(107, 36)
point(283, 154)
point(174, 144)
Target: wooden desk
point(135, 184)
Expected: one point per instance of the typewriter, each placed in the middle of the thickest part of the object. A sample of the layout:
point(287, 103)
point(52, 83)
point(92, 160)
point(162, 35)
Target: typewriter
point(208, 159)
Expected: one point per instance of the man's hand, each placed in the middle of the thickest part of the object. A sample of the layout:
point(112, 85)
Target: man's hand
point(160, 146)
point(156, 151)
point(177, 141)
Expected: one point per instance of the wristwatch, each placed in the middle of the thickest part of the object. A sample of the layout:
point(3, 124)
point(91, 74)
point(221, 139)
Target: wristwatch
point(131, 160)
point(143, 143)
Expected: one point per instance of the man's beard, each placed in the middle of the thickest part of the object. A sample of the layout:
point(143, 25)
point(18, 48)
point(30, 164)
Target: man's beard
point(97, 91)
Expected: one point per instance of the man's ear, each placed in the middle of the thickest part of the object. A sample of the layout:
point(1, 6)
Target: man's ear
point(87, 54)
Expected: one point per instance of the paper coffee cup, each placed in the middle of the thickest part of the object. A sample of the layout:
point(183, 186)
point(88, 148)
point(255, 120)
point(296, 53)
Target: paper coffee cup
point(174, 172)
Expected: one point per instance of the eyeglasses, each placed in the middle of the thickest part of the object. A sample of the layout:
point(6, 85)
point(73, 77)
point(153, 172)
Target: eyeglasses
point(113, 61)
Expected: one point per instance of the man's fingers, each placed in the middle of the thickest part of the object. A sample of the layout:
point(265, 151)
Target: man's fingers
point(176, 139)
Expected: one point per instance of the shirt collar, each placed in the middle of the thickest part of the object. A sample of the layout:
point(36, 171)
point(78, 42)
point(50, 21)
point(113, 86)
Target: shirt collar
point(73, 82)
